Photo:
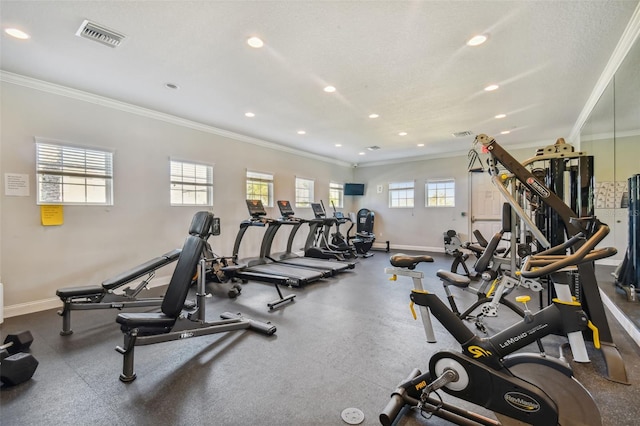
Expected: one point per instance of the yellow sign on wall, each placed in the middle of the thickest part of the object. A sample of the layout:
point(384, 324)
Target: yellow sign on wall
point(51, 215)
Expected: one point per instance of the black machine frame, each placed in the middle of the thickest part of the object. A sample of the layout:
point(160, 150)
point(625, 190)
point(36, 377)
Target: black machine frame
point(174, 322)
point(590, 294)
point(487, 371)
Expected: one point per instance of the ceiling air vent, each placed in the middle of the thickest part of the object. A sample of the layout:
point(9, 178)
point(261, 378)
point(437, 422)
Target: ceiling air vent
point(462, 134)
point(373, 148)
point(95, 32)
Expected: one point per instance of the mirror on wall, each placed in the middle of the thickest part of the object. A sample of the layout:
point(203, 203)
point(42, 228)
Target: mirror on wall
point(612, 135)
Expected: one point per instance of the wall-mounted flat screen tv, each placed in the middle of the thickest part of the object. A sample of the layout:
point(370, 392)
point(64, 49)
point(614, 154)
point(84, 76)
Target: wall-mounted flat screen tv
point(354, 189)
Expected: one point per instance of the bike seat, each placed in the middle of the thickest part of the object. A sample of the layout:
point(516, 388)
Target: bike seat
point(453, 278)
point(407, 261)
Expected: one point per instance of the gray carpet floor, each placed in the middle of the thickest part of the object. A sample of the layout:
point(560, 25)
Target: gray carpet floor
point(344, 342)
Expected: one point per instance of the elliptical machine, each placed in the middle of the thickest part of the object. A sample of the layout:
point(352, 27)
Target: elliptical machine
point(339, 241)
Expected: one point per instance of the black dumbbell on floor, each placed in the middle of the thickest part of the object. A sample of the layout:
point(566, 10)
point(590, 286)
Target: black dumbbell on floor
point(17, 366)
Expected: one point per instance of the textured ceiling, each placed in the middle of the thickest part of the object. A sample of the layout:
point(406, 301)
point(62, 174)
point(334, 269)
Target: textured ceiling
point(406, 61)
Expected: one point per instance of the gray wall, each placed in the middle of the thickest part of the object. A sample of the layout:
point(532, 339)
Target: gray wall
point(421, 227)
point(96, 243)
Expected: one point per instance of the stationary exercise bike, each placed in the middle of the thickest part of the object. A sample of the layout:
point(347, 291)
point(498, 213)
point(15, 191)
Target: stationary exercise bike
point(529, 388)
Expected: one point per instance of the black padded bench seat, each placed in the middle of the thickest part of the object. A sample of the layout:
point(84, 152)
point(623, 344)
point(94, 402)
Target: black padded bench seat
point(141, 270)
point(476, 248)
point(151, 322)
point(453, 278)
point(401, 260)
point(85, 291)
point(173, 302)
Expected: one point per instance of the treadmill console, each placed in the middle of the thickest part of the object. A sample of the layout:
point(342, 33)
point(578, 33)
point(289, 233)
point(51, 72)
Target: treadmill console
point(285, 209)
point(318, 210)
point(256, 209)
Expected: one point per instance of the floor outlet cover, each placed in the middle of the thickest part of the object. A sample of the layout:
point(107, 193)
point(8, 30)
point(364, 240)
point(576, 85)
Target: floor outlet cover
point(352, 416)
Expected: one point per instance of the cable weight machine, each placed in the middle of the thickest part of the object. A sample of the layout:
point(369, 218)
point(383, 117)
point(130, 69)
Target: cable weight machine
point(555, 216)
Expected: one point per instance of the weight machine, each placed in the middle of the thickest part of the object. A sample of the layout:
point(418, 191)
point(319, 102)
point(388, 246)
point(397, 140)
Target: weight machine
point(557, 222)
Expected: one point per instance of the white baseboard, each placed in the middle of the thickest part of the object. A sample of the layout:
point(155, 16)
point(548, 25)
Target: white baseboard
point(55, 302)
point(608, 262)
point(31, 307)
point(383, 246)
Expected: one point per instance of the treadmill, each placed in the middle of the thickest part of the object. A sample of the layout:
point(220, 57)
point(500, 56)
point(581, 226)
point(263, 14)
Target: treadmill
point(290, 258)
point(298, 276)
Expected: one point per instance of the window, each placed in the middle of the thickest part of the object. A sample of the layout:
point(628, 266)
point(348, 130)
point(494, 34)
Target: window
point(336, 195)
point(191, 184)
point(73, 175)
point(440, 193)
point(260, 187)
point(401, 194)
point(304, 192)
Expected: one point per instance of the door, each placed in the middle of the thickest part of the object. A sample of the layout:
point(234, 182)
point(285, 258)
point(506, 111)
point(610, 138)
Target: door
point(486, 205)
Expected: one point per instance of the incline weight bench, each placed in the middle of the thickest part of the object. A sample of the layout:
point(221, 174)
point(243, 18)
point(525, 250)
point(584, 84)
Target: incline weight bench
point(174, 322)
point(104, 296)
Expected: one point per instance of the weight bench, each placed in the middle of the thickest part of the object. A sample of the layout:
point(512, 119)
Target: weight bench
point(104, 296)
point(174, 322)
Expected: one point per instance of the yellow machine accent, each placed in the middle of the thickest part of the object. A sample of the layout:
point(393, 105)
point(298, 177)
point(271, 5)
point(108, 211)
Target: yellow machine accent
point(413, 311)
point(596, 334)
point(566, 302)
point(493, 287)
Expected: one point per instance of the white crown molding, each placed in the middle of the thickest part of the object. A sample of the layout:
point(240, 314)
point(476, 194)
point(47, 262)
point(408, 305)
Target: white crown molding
point(629, 36)
point(437, 155)
point(68, 92)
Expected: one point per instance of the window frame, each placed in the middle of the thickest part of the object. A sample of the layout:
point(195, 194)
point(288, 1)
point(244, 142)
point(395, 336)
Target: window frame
point(304, 201)
point(437, 185)
point(396, 188)
point(197, 183)
point(84, 162)
point(336, 188)
point(262, 179)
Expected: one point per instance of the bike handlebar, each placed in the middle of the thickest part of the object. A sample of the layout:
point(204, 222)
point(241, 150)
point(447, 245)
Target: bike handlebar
point(546, 263)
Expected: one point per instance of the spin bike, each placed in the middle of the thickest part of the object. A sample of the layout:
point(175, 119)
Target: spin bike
point(522, 387)
point(491, 291)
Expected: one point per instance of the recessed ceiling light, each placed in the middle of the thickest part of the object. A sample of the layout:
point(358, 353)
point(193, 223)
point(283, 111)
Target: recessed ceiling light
point(329, 89)
point(14, 32)
point(172, 86)
point(338, 145)
point(506, 132)
point(501, 116)
point(373, 116)
point(420, 144)
point(249, 114)
point(402, 134)
point(255, 42)
point(302, 132)
point(361, 153)
point(491, 87)
point(477, 40)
